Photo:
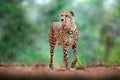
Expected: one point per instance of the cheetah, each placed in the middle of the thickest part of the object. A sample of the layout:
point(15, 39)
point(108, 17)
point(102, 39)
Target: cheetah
point(65, 34)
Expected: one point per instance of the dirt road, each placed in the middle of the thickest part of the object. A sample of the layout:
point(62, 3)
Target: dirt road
point(43, 73)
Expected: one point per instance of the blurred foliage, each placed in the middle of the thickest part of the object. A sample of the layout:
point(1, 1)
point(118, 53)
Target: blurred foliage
point(24, 28)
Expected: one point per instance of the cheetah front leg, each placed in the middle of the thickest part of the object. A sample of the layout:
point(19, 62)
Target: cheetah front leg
point(52, 47)
point(75, 57)
point(65, 51)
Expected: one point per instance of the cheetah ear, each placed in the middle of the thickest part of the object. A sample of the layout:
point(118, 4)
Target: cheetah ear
point(72, 13)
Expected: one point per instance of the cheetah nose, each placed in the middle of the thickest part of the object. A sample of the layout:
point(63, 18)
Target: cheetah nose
point(62, 19)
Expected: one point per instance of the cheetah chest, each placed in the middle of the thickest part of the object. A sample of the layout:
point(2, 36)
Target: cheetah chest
point(69, 39)
point(64, 37)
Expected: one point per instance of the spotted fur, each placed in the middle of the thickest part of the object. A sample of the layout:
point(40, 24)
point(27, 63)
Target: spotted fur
point(64, 33)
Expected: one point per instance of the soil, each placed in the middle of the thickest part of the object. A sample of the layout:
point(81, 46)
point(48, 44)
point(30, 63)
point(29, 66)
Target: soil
point(42, 72)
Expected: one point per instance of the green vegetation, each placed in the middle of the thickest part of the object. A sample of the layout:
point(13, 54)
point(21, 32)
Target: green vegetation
point(24, 28)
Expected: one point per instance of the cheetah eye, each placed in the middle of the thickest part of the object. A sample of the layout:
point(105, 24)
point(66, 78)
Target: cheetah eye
point(66, 15)
point(61, 15)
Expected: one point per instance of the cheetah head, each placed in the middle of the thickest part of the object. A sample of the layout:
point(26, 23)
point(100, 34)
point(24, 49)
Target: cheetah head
point(67, 19)
point(67, 16)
